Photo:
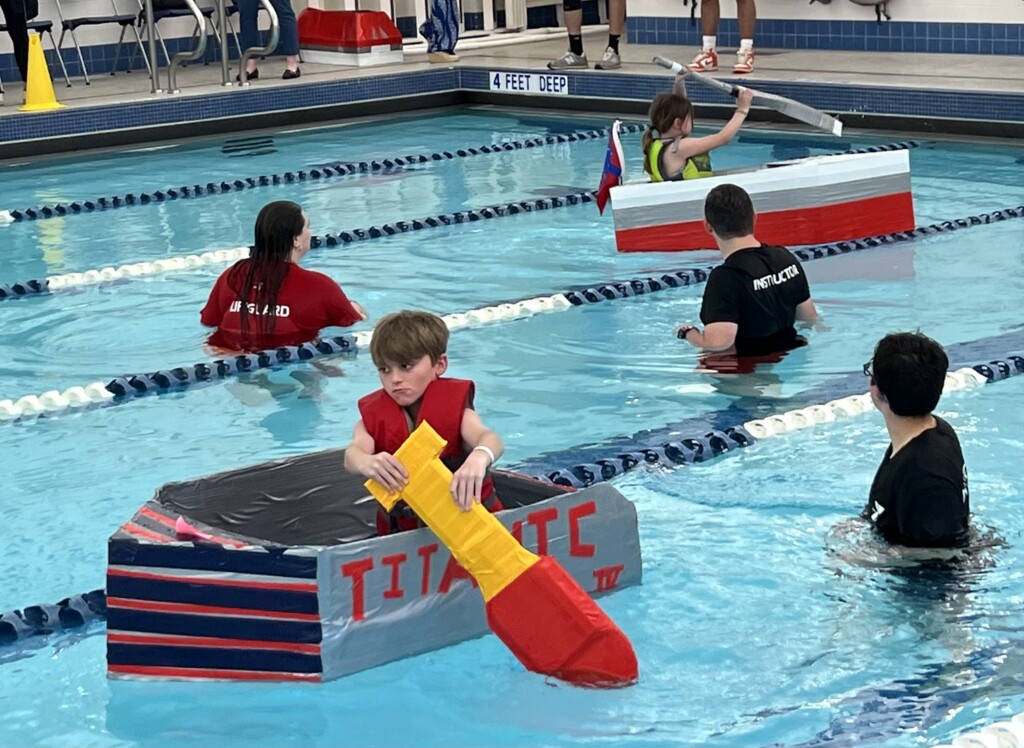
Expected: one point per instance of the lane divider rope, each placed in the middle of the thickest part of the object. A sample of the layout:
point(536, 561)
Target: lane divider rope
point(325, 171)
point(65, 281)
point(706, 445)
point(173, 264)
point(130, 386)
point(126, 387)
point(37, 620)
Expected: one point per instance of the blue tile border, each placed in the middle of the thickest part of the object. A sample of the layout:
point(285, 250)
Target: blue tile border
point(165, 109)
point(912, 103)
point(831, 97)
point(846, 36)
point(856, 36)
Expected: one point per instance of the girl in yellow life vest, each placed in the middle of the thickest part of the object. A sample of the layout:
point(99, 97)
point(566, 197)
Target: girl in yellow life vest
point(669, 154)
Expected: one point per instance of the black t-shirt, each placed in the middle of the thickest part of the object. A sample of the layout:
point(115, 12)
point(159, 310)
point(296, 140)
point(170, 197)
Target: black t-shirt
point(759, 289)
point(920, 497)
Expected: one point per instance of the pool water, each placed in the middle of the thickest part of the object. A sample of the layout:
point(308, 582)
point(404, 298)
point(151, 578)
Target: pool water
point(765, 618)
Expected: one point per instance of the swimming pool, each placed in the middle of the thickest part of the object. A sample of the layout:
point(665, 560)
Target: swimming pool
point(752, 626)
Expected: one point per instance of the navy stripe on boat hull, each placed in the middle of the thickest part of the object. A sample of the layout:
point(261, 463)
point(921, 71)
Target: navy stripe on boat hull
point(211, 557)
point(226, 596)
point(213, 657)
point(263, 629)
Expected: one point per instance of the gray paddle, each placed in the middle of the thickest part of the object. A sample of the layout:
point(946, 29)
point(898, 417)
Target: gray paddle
point(796, 110)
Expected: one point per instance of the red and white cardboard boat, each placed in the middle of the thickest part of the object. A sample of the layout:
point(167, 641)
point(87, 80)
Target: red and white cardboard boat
point(814, 200)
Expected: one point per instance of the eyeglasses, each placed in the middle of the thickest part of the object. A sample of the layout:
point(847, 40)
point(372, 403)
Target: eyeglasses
point(869, 369)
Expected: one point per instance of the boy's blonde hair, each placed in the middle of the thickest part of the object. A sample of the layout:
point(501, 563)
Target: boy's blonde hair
point(407, 336)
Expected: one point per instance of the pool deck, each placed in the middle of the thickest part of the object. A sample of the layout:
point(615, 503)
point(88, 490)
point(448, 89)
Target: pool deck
point(920, 92)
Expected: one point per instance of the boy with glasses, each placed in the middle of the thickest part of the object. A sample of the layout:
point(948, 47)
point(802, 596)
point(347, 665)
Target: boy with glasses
point(919, 496)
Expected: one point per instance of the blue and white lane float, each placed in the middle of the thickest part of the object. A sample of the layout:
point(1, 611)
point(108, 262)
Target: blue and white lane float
point(707, 444)
point(130, 386)
point(48, 618)
point(53, 283)
point(44, 286)
point(78, 610)
point(323, 171)
point(98, 394)
point(335, 169)
point(66, 281)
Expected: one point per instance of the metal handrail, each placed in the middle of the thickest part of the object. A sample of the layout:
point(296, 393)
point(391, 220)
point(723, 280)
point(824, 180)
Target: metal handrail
point(222, 25)
point(181, 57)
point(154, 65)
point(275, 35)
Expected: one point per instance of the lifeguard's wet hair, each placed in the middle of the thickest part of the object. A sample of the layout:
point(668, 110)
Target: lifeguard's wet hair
point(277, 225)
point(909, 369)
point(729, 211)
point(665, 109)
point(407, 336)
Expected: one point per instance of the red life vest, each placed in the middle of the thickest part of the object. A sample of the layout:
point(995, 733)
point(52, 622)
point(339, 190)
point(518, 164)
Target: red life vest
point(443, 405)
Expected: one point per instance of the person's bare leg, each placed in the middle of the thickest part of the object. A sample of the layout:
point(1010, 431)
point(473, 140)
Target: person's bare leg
point(710, 13)
point(574, 22)
point(575, 57)
point(616, 17)
point(746, 13)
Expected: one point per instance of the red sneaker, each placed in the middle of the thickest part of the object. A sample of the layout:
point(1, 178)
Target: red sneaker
point(744, 62)
point(705, 62)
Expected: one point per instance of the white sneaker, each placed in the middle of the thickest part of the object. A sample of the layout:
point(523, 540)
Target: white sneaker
point(705, 62)
point(744, 61)
point(610, 60)
point(442, 57)
point(569, 61)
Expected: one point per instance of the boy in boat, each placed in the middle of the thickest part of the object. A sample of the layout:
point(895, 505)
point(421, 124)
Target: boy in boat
point(670, 154)
point(409, 350)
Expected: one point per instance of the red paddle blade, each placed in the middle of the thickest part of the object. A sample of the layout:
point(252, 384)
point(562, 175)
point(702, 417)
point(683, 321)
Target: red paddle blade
point(554, 628)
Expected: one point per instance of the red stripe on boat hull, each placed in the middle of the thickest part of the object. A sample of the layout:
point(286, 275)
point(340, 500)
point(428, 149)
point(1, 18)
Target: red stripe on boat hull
point(209, 674)
point(169, 640)
point(813, 225)
point(156, 606)
point(243, 583)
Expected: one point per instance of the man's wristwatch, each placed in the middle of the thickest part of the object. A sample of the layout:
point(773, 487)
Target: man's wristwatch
point(684, 330)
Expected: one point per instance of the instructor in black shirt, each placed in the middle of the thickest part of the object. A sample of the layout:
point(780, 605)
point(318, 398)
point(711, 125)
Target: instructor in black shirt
point(752, 299)
point(919, 496)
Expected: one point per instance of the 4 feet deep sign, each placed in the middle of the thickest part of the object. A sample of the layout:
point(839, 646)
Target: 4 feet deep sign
point(545, 84)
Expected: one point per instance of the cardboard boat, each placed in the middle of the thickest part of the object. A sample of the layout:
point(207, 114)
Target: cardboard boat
point(816, 200)
point(274, 572)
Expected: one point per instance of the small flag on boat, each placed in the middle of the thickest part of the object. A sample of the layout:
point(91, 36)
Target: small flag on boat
point(612, 174)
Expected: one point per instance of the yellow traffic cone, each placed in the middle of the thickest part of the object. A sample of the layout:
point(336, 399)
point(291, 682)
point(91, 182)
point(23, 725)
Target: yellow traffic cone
point(39, 95)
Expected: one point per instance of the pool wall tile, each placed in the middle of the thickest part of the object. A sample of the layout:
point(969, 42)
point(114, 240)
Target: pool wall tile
point(164, 109)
